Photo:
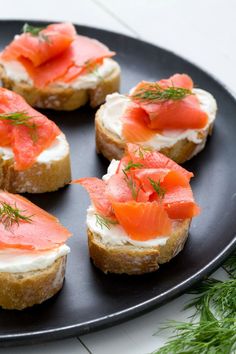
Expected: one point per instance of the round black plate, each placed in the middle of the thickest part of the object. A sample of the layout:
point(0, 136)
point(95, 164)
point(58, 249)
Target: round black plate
point(90, 299)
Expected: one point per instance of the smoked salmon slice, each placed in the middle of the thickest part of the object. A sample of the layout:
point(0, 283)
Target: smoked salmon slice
point(145, 194)
point(179, 203)
point(134, 126)
point(56, 53)
point(25, 130)
point(98, 194)
point(40, 231)
point(154, 159)
point(38, 49)
point(168, 104)
point(142, 221)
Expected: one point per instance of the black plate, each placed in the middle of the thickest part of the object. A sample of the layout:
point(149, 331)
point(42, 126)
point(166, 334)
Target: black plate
point(90, 299)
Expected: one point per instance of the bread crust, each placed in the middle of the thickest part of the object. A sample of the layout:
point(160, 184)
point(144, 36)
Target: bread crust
point(113, 147)
point(60, 98)
point(131, 259)
point(40, 178)
point(21, 290)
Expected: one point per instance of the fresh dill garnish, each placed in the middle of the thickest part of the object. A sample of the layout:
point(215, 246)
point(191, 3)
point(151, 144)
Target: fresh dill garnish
point(104, 222)
point(35, 32)
point(215, 337)
point(132, 165)
point(92, 68)
point(10, 215)
point(154, 92)
point(215, 331)
point(215, 294)
point(142, 150)
point(21, 118)
point(157, 188)
point(131, 184)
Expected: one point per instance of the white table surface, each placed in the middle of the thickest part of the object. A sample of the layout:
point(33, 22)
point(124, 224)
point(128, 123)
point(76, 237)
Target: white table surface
point(202, 31)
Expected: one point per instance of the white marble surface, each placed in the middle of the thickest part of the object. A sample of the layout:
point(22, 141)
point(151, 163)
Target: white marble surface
point(202, 31)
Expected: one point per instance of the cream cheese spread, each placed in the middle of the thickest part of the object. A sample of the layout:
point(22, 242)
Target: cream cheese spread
point(55, 152)
point(16, 71)
point(116, 104)
point(15, 260)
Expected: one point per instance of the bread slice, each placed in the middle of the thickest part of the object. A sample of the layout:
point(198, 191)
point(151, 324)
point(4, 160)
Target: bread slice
point(112, 146)
point(61, 98)
point(21, 290)
point(130, 259)
point(40, 178)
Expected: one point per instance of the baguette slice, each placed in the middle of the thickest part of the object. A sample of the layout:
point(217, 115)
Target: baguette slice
point(113, 147)
point(40, 178)
point(131, 259)
point(21, 290)
point(61, 98)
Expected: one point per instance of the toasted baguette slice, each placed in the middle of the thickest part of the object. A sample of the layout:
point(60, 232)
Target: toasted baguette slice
point(21, 290)
point(130, 259)
point(112, 146)
point(40, 178)
point(61, 98)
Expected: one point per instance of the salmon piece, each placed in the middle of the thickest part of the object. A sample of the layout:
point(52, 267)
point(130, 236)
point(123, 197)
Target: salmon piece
point(51, 41)
point(26, 142)
point(166, 114)
point(142, 221)
point(183, 114)
point(86, 54)
point(98, 194)
point(79, 58)
point(145, 176)
point(43, 232)
point(123, 188)
point(154, 159)
point(178, 80)
point(179, 203)
point(117, 189)
point(134, 127)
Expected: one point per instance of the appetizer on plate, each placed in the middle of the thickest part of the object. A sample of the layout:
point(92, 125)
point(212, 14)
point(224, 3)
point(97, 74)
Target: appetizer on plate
point(34, 153)
point(141, 212)
point(53, 67)
point(170, 116)
point(32, 253)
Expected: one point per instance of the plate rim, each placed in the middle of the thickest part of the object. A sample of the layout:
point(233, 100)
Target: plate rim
point(148, 305)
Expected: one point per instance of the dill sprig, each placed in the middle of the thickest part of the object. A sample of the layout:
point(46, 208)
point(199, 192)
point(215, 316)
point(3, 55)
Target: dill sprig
point(104, 222)
point(154, 92)
point(157, 188)
point(215, 331)
point(142, 150)
point(216, 295)
point(10, 215)
point(131, 165)
point(21, 118)
point(131, 184)
point(35, 32)
point(230, 266)
point(92, 68)
point(206, 337)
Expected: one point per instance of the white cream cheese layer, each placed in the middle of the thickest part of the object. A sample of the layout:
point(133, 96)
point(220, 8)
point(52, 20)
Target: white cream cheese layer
point(116, 235)
point(16, 71)
point(116, 104)
point(15, 260)
point(56, 152)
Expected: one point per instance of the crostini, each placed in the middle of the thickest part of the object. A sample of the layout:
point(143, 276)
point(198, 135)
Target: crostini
point(53, 67)
point(170, 116)
point(32, 253)
point(34, 153)
point(140, 214)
